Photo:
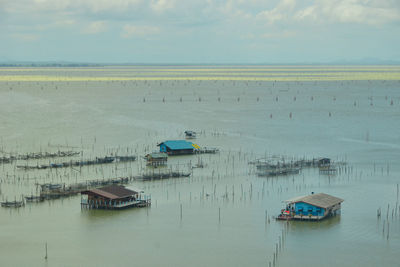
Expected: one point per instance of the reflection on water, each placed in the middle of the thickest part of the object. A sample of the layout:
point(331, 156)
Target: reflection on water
point(93, 215)
point(305, 226)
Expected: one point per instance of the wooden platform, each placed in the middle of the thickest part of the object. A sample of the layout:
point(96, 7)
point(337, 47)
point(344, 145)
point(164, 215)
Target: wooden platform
point(117, 206)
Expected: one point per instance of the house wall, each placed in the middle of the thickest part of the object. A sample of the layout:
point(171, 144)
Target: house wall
point(103, 202)
point(180, 152)
point(97, 200)
point(163, 148)
point(305, 209)
point(334, 210)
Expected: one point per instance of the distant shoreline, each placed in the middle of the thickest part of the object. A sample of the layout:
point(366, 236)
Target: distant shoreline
point(84, 65)
point(55, 65)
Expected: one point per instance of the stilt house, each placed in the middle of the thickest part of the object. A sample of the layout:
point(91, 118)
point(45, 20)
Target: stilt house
point(114, 197)
point(178, 147)
point(156, 159)
point(312, 207)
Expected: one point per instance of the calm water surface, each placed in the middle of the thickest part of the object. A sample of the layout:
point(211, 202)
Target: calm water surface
point(348, 114)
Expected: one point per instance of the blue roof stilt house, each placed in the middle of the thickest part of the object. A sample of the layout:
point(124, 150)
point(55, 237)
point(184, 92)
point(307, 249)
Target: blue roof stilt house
point(178, 147)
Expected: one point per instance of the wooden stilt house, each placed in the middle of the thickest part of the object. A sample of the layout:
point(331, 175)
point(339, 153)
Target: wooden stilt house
point(156, 159)
point(114, 197)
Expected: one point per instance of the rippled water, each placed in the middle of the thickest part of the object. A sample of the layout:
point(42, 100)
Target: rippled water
point(347, 113)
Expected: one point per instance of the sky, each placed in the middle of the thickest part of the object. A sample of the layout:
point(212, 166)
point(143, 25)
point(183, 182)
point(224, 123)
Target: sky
point(200, 31)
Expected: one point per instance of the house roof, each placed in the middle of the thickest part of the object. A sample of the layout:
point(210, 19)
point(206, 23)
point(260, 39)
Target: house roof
point(112, 192)
point(320, 200)
point(324, 160)
point(177, 144)
point(293, 200)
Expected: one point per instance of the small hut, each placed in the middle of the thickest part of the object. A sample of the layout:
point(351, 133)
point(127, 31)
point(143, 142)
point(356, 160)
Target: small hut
point(322, 163)
point(178, 147)
point(190, 135)
point(114, 197)
point(312, 207)
point(156, 159)
point(326, 166)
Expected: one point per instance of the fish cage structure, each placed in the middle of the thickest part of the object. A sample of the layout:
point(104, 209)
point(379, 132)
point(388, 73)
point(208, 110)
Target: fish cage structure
point(156, 159)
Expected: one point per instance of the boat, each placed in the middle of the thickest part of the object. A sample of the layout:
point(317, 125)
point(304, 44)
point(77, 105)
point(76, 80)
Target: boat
point(284, 215)
point(33, 198)
point(51, 186)
point(207, 150)
point(126, 158)
point(12, 204)
point(157, 176)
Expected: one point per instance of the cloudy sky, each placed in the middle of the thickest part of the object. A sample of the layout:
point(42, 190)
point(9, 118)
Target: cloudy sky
point(199, 31)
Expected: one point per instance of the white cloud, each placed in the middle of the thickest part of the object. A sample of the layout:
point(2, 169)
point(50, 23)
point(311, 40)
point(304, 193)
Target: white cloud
point(107, 5)
point(130, 31)
point(282, 11)
point(343, 11)
point(211, 25)
point(162, 5)
point(350, 11)
point(70, 5)
point(309, 12)
point(95, 27)
point(368, 12)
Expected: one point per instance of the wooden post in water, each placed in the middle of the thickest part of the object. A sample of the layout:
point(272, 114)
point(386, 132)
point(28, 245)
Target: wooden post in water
point(387, 214)
point(383, 228)
point(45, 257)
point(387, 231)
point(279, 243)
